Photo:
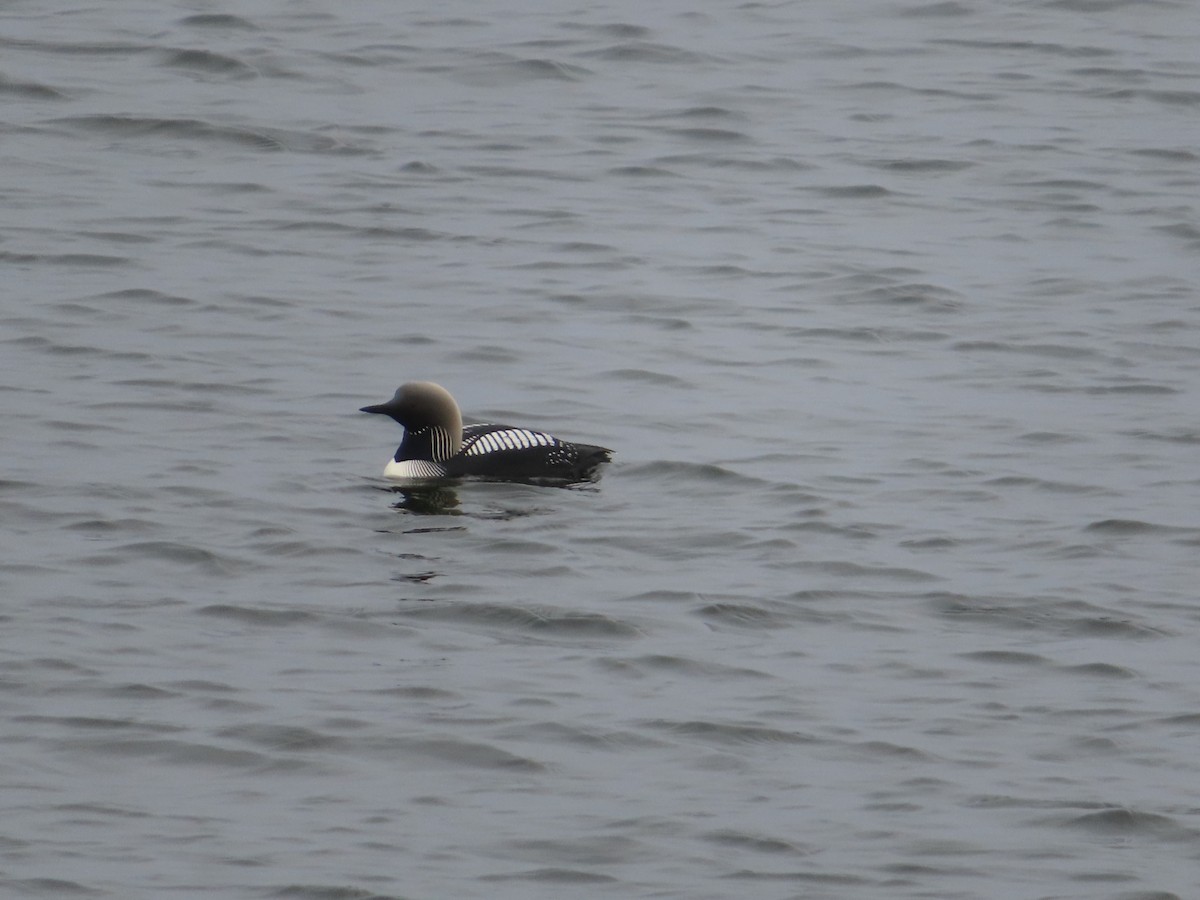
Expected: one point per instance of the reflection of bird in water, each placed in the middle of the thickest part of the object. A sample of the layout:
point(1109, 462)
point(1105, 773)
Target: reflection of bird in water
point(428, 501)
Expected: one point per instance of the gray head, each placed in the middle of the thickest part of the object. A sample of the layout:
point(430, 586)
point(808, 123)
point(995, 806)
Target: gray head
point(421, 405)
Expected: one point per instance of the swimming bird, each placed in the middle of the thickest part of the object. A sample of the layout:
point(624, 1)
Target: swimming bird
point(436, 445)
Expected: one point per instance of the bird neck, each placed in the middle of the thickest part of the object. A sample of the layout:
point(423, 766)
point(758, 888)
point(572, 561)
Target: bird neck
point(430, 442)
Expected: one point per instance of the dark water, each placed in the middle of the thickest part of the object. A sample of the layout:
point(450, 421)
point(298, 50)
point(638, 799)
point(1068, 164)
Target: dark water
point(889, 310)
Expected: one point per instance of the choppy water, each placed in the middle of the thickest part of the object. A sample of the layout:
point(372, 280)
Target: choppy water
point(889, 310)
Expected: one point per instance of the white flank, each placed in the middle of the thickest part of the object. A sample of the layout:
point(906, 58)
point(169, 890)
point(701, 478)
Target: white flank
point(413, 469)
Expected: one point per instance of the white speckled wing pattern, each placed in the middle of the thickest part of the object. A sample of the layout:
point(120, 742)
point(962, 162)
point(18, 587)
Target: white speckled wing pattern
point(497, 438)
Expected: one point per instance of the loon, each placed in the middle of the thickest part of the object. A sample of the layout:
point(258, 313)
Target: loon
point(437, 445)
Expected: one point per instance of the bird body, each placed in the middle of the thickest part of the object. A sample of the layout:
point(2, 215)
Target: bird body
point(436, 445)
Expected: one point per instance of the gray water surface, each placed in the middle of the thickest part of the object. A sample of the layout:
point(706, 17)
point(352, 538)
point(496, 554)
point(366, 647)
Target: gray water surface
point(888, 309)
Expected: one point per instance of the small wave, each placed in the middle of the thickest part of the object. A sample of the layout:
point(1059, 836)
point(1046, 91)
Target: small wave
point(1185, 231)
point(1050, 437)
point(534, 173)
point(1103, 390)
point(76, 48)
point(491, 353)
point(637, 51)
point(645, 376)
point(853, 191)
point(98, 723)
point(538, 70)
point(217, 20)
point(1100, 670)
point(281, 737)
point(675, 472)
point(710, 135)
point(643, 172)
point(1135, 526)
point(1175, 155)
point(729, 734)
point(553, 875)
point(77, 350)
point(585, 247)
point(870, 334)
point(175, 751)
point(842, 880)
point(1072, 617)
point(621, 30)
point(90, 260)
point(173, 552)
point(256, 615)
point(1093, 6)
point(916, 293)
point(742, 840)
point(1181, 436)
point(1006, 657)
point(373, 232)
point(1165, 98)
point(705, 112)
point(713, 160)
point(156, 127)
point(107, 526)
point(938, 543)
point(136, 691)
point(1042, 484)
point(208, 62)
point(29, 89)
point(585, 736)
point(1049, 49)
point(858, 570)
point(371, 55)
point(266, 139)
point(946, 9)
point(539, 621)
point(49, 887)
point(741, 615)
point(468, 753)
point(1050, 351)
point(910, 164)
point(890, 750)
point(681, 665)
point(1131, 823)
